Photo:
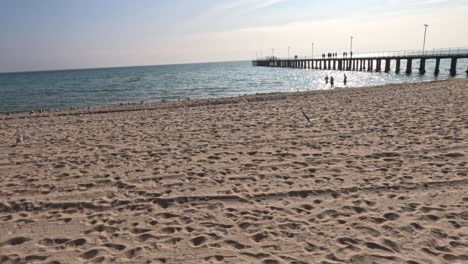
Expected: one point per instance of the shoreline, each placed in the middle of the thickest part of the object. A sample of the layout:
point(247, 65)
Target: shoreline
point(188, 102)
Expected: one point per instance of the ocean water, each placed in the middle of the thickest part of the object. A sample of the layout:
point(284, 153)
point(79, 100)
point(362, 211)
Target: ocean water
point(93, 87)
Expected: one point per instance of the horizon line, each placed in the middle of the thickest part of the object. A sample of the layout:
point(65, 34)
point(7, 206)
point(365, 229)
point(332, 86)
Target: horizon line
point(115, 67)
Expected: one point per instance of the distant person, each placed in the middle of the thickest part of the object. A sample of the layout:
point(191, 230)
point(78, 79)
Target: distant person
point(326, 79)
point(332, 81)
point(345, 80)
point(351, 53)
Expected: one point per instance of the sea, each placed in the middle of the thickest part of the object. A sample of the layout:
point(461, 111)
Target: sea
point(63, 89)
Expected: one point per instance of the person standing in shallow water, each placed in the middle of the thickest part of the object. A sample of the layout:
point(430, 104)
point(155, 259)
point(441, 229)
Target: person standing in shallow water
point(326, 79)
point(345, 80)
point(332, 81)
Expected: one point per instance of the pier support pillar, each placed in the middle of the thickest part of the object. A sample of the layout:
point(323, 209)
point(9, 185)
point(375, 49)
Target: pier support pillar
point(387, 65)
point(334, 64)
point(378, 66)
point(437, 67)
point(422, 66)
point(453, 67)
point(398, 66)
point(354, 65)
point(409, 66)
point(340, 65)
point(369, 65)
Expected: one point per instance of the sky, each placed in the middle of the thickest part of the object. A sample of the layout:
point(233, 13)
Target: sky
point(70, 34)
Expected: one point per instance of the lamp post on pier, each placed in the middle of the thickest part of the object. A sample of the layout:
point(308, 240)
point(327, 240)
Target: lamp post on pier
point(424, 42)
point(312, 50)
point(351, 47)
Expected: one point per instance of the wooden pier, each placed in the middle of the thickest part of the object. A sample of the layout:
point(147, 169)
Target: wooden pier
point(377, 63)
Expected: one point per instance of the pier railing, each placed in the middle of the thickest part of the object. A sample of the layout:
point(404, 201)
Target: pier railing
point(385, 54)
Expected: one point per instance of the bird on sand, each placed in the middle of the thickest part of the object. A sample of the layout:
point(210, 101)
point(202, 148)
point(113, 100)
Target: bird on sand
point(19, 136)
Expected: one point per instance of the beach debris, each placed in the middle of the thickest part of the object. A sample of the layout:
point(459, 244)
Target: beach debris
point(19, 136)
point(308, 121)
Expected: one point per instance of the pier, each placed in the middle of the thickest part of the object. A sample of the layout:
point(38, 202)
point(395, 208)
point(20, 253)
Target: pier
point(370, 62)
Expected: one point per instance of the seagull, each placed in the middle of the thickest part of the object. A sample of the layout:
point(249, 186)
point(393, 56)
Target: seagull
point(19, 136)
point(308, 121)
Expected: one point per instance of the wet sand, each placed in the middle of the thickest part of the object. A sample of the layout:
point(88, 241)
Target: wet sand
point(379, 177)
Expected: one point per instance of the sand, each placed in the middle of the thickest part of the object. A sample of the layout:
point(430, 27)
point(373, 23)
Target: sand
point(379, 177)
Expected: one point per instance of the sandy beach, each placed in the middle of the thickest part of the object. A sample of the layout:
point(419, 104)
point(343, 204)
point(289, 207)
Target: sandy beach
point(380, 176)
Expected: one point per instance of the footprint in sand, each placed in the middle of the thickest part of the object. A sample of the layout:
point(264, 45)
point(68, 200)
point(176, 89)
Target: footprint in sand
point(198, 241)
point(15, 241)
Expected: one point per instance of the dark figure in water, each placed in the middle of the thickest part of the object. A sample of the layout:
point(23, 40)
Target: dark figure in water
point(326, 79)
point(345, 80)
point(332, 81)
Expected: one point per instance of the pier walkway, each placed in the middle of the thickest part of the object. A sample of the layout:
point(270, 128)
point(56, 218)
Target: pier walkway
point(372, 61)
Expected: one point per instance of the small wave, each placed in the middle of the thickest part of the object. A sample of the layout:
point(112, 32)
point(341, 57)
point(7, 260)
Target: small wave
point(133, 80)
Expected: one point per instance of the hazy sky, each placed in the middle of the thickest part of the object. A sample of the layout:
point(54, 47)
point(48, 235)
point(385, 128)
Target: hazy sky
point(63, 34)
